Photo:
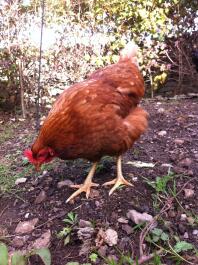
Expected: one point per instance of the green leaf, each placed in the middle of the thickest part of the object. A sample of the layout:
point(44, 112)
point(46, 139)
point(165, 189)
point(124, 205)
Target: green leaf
point(3, 254)
point(93, 257)
point(164, 237)
point(18, 259)
point(157, 231)
point(44, 254)
point(67, 240)
point(183, 246)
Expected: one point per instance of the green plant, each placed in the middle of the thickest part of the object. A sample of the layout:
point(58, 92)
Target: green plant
point(22, 259)
point(93, 257)
point(65, 233)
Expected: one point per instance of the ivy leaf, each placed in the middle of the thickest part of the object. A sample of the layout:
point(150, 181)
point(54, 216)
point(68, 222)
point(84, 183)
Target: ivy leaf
point(3, 254)
point(18, 259)
point(183, 246)
point(44, 254)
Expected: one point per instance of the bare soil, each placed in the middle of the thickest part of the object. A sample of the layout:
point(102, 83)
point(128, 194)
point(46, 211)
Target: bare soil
point(175, 149)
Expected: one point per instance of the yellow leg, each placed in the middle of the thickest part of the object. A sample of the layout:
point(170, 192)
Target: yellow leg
point(86, 186)
point(120, 180)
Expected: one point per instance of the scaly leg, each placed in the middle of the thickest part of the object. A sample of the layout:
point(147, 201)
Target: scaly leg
point(86, 186)
point(120, 180)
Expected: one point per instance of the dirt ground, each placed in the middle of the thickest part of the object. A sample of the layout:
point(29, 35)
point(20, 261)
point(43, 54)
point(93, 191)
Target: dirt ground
point(170, 144)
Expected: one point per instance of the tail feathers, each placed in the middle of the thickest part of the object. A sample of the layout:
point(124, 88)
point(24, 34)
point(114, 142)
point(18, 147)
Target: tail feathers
point(136, 123)
point(130, 52)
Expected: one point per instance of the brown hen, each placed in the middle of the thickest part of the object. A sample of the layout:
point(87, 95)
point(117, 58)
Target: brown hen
point(94, 118)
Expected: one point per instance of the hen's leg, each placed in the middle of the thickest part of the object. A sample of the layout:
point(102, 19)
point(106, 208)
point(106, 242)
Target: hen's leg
point(120, 180)
point(86, 186)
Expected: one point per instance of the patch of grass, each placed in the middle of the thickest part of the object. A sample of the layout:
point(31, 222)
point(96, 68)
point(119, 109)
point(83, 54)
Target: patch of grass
point(7, 133)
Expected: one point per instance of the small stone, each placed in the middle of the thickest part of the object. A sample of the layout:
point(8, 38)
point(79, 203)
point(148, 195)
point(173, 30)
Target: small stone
point(186, 162)
point(172, 213)
point(43, 241)
point(27, 215)
point(122, 220)
point(20, 181)
point(183, 217)
point(195, 232)
point(186, 236)
point(188, 193)
point(85, 233)
point(19, 241)
point(191, 220)
point(128, 229)
point(161, 110)
point(83, 223)
point(182, 228)
point(102, 251)
point(179, 141)
point(26, 227)
point(139, 218)
point(94, 193)
point(64, 183)
point(41, 197)
point(111, 237)
point(162, 133)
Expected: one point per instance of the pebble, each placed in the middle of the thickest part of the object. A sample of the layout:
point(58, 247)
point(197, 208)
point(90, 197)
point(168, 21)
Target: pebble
point(128, 229)
point(183, 217)
point(186, 236)
point(43, 241)
point(26, 227)
point(20, 181)
point(138, 218)
point(186, 162)
point(195, 232)
point(162, 133)
point(182, 228)
point(111, 237)
point(188, 193)
point(179, 141)
point(41, 197)
point(122, 220)
point(19, 241)
point(64, 183)
point(84, 223)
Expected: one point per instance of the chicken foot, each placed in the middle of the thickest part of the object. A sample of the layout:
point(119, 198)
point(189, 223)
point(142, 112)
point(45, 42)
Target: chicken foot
point(120, 180)
point(86, 186)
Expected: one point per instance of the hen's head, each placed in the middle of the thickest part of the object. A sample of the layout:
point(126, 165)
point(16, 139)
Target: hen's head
point(44, 155)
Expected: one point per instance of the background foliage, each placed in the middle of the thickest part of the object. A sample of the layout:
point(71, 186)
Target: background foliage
point(80, 36)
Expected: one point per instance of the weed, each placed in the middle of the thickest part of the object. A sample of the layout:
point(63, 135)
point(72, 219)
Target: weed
point(66, 232)
point(18, 258)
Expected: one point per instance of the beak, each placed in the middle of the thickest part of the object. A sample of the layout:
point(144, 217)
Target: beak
point(37, 166)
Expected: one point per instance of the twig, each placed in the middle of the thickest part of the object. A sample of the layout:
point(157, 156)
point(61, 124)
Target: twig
point(2, 212)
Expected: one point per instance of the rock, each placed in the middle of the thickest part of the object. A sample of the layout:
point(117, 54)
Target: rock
point(139, 218)
point(191, 220)
point(64, 183)
point(183, 217)
point(122, 220)
point(128, 229)
point(94, 193)
point(20, 181)
point(172, 213)
point(85, 233)
point(162, 133)
point(26, 227)
point(188, 193)
point(43, 241)
point(102, 251)
point(178, 141)
point(111, 237)
point(83, 223)
point(186, 162)
point(41, 197)
point(161, 110)
point(27, 215)
point(182, 228)
point(195, 232)
point(19, 241)
point(186, 236)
